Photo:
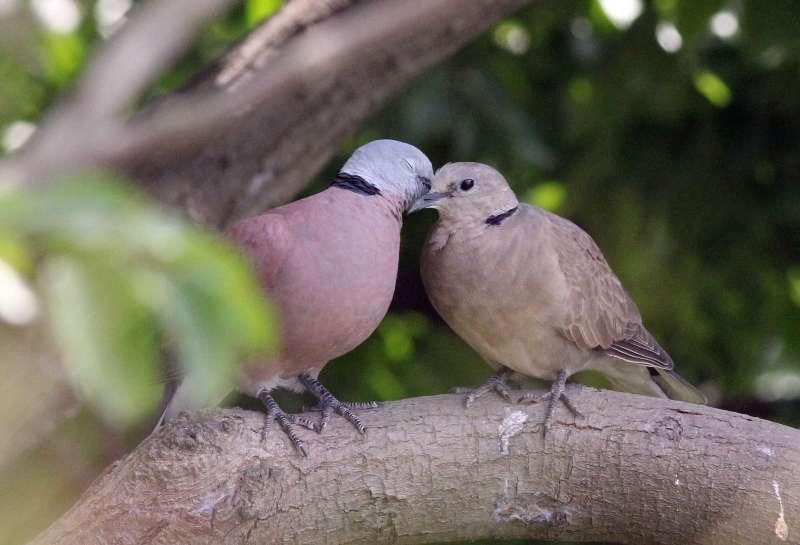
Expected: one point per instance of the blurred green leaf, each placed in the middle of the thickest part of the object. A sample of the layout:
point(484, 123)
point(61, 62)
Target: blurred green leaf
point(713, 88)
point(13, 252)
point(220, 271)
point(548, 195)
point(257, 10)
point(108, 341)
point(117, 271)
point(599, 19)
point(62, 55)
point(399, 332)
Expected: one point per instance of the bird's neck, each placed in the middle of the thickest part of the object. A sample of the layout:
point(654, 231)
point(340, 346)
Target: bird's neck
point(470, 227)
point(398, 199)
point(356, 184)
point(355, 203)
point(499, 217)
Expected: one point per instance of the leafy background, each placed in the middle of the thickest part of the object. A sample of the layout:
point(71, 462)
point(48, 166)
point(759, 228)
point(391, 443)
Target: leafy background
point(667, 129)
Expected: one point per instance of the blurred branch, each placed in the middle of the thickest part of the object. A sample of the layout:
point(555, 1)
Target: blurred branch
point(263, 42)
point(157, 34)
point(221, 151)
point(92, 116)
point(634, 470)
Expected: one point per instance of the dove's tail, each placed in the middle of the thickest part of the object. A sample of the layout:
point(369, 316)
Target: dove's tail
point(677, 387)
point(649, 381)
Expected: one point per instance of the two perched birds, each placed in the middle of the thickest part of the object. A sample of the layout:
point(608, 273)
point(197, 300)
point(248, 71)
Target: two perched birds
point(528, 290)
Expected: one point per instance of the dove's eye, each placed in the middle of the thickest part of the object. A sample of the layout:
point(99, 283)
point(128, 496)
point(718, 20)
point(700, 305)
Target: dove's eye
point(467, 184)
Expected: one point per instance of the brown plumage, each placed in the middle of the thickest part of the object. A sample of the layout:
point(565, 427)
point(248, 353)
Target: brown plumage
point(531, 292)
point(329, 262)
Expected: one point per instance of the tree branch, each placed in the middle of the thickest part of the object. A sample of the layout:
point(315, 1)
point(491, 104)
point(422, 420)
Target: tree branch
point(263, 42)
point(265, 135)
point(635, 470)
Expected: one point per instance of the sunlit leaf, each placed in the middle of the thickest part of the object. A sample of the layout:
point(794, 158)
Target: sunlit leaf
point(599, 18)
point(713, 88)
point(548, 195)
point(257, 10)
point(62, 55)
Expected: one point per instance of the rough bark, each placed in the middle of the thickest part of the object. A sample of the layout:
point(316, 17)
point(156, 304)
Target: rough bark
point(634, 470)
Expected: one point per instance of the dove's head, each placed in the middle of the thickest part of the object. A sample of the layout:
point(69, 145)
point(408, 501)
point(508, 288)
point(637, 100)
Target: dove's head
point(469, 193)
point(398, 171)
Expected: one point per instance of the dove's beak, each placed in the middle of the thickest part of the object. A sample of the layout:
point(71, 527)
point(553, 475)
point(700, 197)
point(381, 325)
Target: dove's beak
point(427, 201)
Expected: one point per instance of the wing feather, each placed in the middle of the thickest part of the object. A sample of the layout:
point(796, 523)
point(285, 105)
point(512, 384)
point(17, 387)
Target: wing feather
point(602, 315)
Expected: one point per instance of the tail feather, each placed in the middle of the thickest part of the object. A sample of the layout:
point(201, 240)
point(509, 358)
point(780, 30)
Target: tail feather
point(649, 381)
point(677, 387)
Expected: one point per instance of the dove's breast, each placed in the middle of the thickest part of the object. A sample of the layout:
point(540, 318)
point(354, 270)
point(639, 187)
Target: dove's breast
point(501, 290)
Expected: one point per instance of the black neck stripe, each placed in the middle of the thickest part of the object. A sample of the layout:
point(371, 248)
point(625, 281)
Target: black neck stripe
point(497, 219)
point(354, 183)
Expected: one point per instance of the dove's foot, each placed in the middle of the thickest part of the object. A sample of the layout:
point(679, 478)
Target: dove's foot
point(556, 392)
point(497, 383)
point(285, 420)
point(328, 405)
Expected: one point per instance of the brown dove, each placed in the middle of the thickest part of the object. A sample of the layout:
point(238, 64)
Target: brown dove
point(329, 262)
point(532, 293)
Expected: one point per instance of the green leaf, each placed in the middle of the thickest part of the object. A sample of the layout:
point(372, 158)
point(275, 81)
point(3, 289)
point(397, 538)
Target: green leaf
point(600, 21)
point(221, 271)
point(206, 351)
point(548, 195)
point(713, 88)
point(215, 312)
point(116, 265)
point(14, 252)
point(257, 10)
point(108, 340)
point(62, 55)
